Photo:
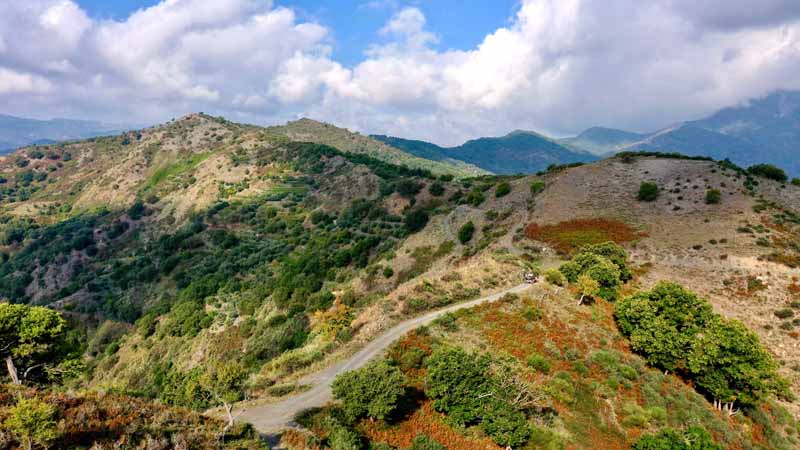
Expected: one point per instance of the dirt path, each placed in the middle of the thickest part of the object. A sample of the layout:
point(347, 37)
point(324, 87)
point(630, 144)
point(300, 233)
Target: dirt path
point(274, 417)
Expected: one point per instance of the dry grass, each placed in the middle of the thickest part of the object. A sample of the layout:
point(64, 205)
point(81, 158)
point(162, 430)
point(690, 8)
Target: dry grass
point(567, 237)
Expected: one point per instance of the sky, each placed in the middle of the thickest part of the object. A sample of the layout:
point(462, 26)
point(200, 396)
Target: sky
point(440, 70)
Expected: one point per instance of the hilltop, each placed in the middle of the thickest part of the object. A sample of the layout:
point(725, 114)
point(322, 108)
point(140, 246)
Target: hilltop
point(519, 152)
point(18, 132)
point(202, 248)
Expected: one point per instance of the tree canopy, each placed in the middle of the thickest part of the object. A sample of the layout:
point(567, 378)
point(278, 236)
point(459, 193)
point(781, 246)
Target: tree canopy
point(371, 391)
point(30, 337)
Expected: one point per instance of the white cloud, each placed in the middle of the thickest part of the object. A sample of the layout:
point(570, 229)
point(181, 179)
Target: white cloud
point(13, 82)
point(559, 66)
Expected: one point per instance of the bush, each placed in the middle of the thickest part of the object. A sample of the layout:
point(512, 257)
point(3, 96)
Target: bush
point(796, 181)
point(768, 171)
point(537, 186)
point(502, 189)
point(713, 196)
point(648, 192)
point(32, 422)
point(416, 220)
point(425, 442)
point(342, 438)
point(784, 313)
point(505, 425)
point(436, 189)
point(408, 188)
point(554, 276)
point(388, 272)
point(466, 232)
point(456, 381)
point(694, 438)
point(371, 391)
point(539, 363)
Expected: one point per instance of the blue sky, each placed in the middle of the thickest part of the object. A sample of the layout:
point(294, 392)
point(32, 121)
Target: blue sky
point(355, 24)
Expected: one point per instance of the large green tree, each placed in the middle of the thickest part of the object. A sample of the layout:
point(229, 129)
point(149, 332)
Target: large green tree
point(30, 338)
point(371, 391)
point(728, 361)
point(662, 322)
point(457, 382)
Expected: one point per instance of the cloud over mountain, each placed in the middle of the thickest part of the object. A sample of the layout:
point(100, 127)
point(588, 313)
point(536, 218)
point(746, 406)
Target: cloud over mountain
point(559, 66)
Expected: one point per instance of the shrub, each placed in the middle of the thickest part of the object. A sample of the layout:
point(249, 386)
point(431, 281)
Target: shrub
point(537, 186)
point(554, 276)
point(502, 189)
point(416, 220)
point(456, 381)
point(342, 438)
point(388, 272)
point(648, 192)
point(371, 391)
point(539, 363)
point(475, 198)
point(465, 232)
point(768, 171)
point(796, 181)
point(408, 188)
point(32, 421)
point(713, 196)
point(694, 438)
point(425, 442)
point(436, 189)
point(505, 425)
point(784, 313)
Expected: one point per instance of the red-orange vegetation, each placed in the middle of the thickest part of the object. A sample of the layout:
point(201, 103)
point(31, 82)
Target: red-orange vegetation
point(567, 237)
point(424, 420)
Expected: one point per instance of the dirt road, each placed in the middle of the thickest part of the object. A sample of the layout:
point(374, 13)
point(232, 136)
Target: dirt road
point(274, 417)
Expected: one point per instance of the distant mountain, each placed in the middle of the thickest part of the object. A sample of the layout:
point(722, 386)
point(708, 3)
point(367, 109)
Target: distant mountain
point(516, 152)
point(18, 132)
point(602, 141)
point(763, 130)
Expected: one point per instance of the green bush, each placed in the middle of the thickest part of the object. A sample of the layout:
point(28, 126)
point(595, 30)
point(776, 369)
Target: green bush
point(795, 181)
point(539, 363)
point(505, 425)
point(648, 192)
point(537, 186)
point(342, 438)
point(388, 272)
point(416, 220)
point(371, 391)
point(502, 189)
point(554, 276)
point(768, 171)
point(32, 421)
point(466, 232)
point(425, 442)
point(436, 189)
point(456, 381)
point(713, 196)
point(694, 438)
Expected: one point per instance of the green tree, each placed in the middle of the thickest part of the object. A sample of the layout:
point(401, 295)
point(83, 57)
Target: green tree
point(224, 383)
point(727, 361)
point(713, 196)
point(30, 339)
point(466, 232)
point(648, 192)
point(32, 421)
point(502, 189)
point(457, 382)
point(661, 323)
point(693, 438)
point(505, 425)
point(795, 181)
point(371, 391)
point(588, 287)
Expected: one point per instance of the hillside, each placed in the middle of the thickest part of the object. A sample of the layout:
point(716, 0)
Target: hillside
point(520, 152)
point(203, 255)
point(602, 141)
point(323, 133)
point(17, 132)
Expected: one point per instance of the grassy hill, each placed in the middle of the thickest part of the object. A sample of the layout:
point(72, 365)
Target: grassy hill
point(203, 250)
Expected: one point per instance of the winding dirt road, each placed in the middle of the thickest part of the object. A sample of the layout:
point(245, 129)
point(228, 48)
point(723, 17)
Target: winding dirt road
point(275, 417)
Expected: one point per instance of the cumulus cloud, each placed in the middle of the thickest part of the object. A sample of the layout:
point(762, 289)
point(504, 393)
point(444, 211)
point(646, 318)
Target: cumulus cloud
point(558, 67)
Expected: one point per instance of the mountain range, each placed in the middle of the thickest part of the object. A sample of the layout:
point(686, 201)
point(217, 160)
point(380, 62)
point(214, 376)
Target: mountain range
point(16, 132)
point(763, 130)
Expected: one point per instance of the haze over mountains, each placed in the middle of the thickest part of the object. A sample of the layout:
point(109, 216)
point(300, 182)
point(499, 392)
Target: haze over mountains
point(18, 132)
point(765, 130)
